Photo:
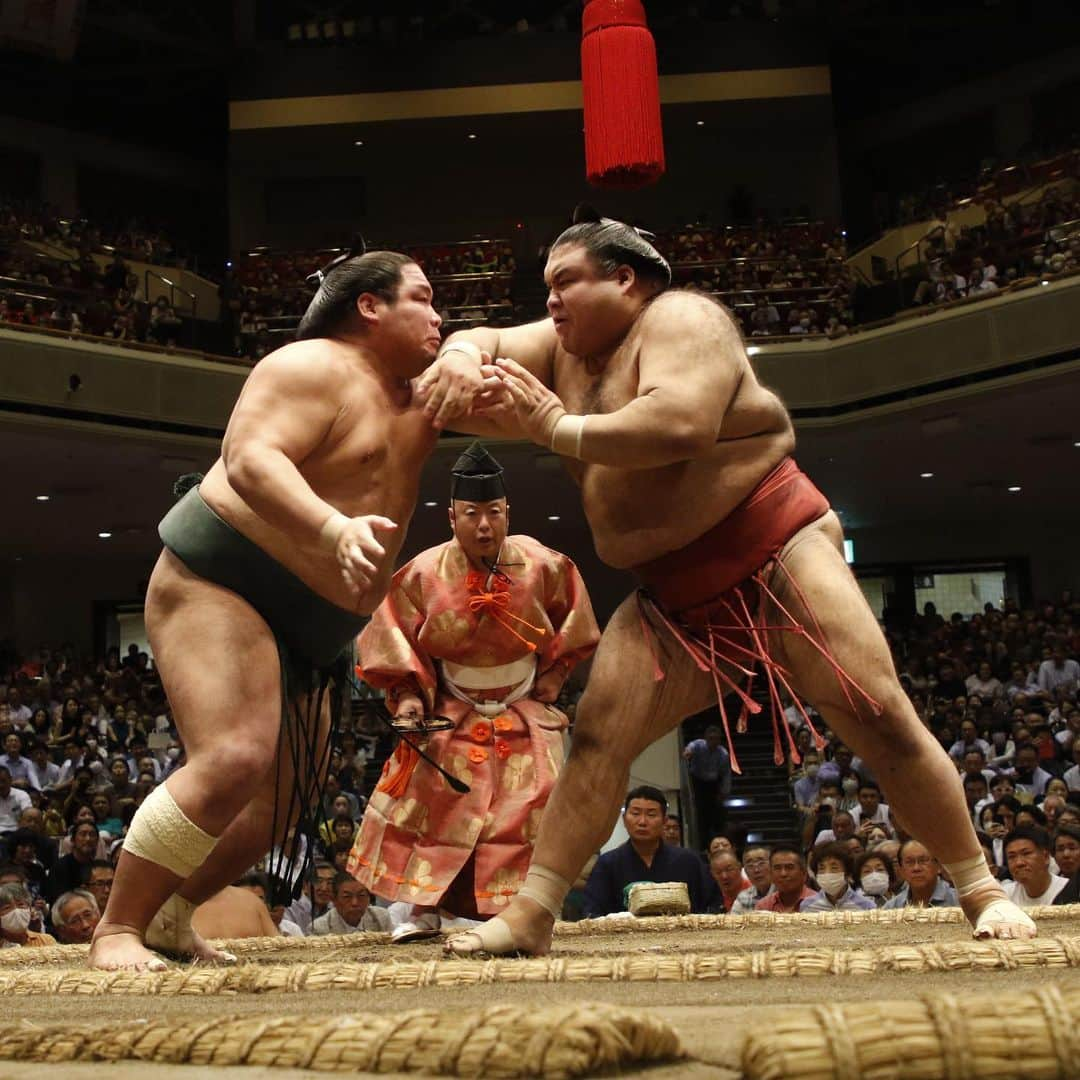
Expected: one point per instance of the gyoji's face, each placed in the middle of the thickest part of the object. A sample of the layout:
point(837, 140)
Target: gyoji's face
point(480, 527)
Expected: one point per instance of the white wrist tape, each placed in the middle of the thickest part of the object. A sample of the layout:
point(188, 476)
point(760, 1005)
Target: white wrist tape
point(566, 435)
point(331, 530)
point(161, 833)
point(546, 888)
point(466, 347)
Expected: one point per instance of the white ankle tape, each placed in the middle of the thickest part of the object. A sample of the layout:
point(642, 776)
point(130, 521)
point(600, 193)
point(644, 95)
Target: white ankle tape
point(970, 875)
point(162, 833)
point(546, 888)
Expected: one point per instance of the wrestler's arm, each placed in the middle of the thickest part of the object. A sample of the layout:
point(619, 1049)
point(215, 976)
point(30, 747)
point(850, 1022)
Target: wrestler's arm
point(285, 411)
point(532, 345)
point(690, 363)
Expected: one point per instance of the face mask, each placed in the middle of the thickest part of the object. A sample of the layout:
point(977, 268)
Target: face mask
point(850, 787)
point(833, 884)
point(812, 770)
point(174, 752)
point(16, 921)
point(875, 883)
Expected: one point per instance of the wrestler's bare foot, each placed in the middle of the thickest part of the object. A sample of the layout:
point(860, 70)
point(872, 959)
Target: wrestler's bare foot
point(120, 948)
point(525, 927)
point(993, 915)
point(205, 953)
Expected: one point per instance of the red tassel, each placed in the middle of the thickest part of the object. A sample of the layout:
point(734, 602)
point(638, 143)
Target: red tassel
point(624, 140)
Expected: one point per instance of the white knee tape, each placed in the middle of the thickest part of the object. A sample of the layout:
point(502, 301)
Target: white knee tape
point(547, 888)
point(162, 833)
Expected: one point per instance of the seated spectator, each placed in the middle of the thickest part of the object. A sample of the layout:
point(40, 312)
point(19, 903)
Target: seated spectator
point(29, 852)
point(843, 828)
point(1059, 672)
point(645, 857)
point(787, 865)
point(1067, 850)
point(876, 877)
point(278, 902)
point(75, 916)
point(1027, 853)
point(105, 816)
point(317, 897)
point(44, 773)
point(870, 810)
point(12, 760)
point(16, 915)
point(833, 869)
point(12, 802)
point(756, 868)
point(1028, 776)
point(352, 910)
point(1071, 775)
point(727, 872)
point(234, 913)
point(99, 884)
point(976, 793)
point(72, 871)
point(673, 830)
point(923, 885)
point(969, 738)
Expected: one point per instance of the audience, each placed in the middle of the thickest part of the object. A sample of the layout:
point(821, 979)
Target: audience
point(1027, 851)
point(16, 917)
point(788, 867)
point(923, 884)
point(352, 910)
point(645, 857)
point(834, 871)
point(75, 916)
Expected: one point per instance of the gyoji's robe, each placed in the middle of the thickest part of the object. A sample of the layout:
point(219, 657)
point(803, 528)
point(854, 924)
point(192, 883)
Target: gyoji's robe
point(417, 833)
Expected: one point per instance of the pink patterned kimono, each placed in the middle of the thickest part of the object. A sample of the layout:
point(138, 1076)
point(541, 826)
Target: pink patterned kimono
point(469, 645)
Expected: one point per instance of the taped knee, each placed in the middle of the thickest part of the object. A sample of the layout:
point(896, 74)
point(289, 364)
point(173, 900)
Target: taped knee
point(162, 833)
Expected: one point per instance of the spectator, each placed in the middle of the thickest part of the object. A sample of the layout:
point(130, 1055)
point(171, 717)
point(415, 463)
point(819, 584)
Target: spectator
point(969, 740)
point(975, 794)
point(73, 871)
point(833, 869)
point(843, 829)
point(673, 830)
point(317, 898)
point(1030, 778)
point(1067, 850)
point(352, 910)
point(727, 872)
point(99, 884)
point(870, 810)
point(1027, 852)
point(1059, 672)
point(923, 885)
point(709, 766)
point(12, 759)
point(279, 897)
point(16, 915)
point(644, 857)
point(1072, 775)
point(44, 774)
point(876, 877)
point(756, 868)
point(32, 855)
point(12, 802)
point(788, 869)
point(75, 916)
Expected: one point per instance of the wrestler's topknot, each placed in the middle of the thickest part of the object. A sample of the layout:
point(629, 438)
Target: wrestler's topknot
point(342, 280)
point(614, 243)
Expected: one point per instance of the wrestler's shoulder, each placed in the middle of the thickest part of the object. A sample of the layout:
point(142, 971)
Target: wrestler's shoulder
point(673, 306)
point(315, 358)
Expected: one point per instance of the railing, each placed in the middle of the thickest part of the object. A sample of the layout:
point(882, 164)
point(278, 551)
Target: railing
point(173, 290)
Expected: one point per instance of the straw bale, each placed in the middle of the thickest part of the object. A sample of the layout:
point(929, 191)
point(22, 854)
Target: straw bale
point(1046, 952)
point(501, 1041)
point(943, 1036)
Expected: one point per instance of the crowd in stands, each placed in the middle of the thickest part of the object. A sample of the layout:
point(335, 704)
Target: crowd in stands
point(1018, 243)
point(84, 744)
point(50, 278)
point(777, 280)
point(1000, 691)
point(266, 293)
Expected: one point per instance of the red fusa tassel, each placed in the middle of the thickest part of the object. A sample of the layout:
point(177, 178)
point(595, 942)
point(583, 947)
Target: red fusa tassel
point(624, 140)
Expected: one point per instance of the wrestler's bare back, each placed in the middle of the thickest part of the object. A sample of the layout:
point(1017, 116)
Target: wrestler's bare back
point(368, 461)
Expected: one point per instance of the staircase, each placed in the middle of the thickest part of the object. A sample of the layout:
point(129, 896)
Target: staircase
point(760, 799)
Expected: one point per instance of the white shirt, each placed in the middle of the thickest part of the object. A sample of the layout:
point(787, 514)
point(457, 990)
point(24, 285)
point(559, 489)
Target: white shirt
point(1051, 676)
point(1072, 778)
point(10, 809)
point(1020, 896)
point(881, 816)
point(290, 929)
point(991, 688)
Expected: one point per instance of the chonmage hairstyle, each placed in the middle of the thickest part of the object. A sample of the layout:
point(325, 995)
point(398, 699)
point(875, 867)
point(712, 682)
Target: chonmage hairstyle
point(614, 243)
point(342, 280)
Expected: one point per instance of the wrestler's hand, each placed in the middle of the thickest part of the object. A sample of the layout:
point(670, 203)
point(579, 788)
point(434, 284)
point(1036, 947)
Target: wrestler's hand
point(409, 707)
point(357, 548)
point(547, 687)
point(537, 407)
point(450, 386)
